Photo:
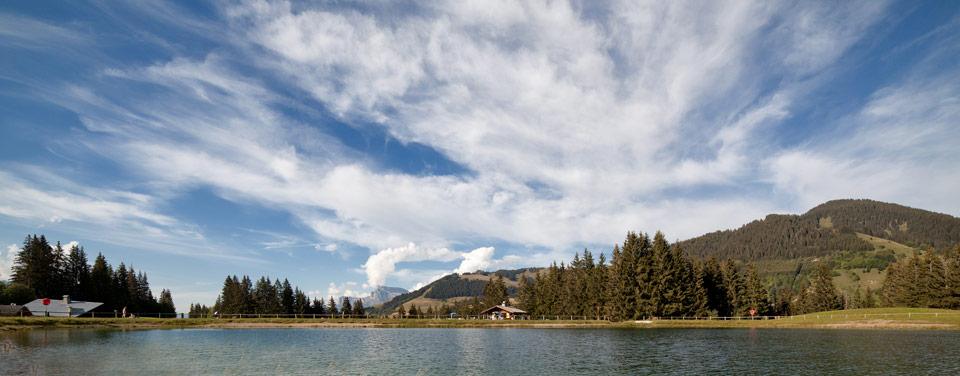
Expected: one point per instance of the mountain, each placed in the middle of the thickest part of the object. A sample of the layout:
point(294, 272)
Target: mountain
point(455, 287)
point(382, 294)
point(858, 237)
point(834, 226)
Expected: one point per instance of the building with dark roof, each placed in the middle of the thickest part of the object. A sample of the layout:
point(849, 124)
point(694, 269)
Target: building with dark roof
point(14, 310)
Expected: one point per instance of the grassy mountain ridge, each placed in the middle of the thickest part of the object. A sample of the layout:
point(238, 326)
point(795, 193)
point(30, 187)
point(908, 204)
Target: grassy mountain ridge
point(828, 228)
point(454, 286)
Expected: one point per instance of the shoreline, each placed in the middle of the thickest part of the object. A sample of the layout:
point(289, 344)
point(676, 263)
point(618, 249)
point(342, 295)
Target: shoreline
point(910, 320)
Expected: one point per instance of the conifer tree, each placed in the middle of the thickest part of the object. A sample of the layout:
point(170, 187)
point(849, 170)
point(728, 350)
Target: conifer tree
point(734, 286)
point(35, 266)
point(933, 281)
point(77, 274)
point(599, 290)
point(301, 304)
point(755, 294)
point(286, 297)
point(317, 306)
point(346, 308)
point(952, 294)
point(101, 282)
point(646, 276)
point(717, 296)
point(358, 309)
point(699, 305)
point(401, 312)
point(166, 302)
point(526, 296)
point(332, 306)
point(823, 296)
point(495, 291)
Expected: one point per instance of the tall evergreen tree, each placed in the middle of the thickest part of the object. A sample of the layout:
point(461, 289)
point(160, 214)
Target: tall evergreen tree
point(332, 306)
point(35, 267)
point(101, 282)
point(286, 297)
point(358, 309)
point(495, 292)
point(755, 294)
point(77, 274)
point(166, 302)
point(301, 304)
point(346, 308)
point(823, 295)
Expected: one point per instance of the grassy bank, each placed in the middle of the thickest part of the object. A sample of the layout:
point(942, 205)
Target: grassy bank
point(876, 318)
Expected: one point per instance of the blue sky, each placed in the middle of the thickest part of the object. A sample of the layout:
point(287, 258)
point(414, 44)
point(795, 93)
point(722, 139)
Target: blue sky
point(347, 144)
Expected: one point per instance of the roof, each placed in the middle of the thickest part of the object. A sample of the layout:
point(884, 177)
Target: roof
point(12, 310)
point(58, 308)
point(503, 308)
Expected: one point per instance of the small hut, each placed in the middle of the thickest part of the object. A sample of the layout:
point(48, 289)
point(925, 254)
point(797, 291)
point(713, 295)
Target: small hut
point(504, 312)
point(14, 310)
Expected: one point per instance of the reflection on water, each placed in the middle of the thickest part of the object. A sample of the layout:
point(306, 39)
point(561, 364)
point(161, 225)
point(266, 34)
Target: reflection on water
point(477, 351)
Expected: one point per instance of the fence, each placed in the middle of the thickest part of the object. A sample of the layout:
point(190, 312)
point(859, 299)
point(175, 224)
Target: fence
point(845, 316)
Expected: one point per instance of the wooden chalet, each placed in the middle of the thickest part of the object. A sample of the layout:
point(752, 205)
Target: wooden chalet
point(504, 312)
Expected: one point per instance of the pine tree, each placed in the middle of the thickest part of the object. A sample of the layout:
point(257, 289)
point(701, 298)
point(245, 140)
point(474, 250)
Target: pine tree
point(35, 267)
point(823, 295)
point(121, 290)
point(401, 312)
point(332, 306)
point(77, 273)
point(166, 302)
point(358, 309)
point(755, 294)
point(526, 294)
point(717, 300)
point(301, 304)
point(645, 264)
point(101, 284)
point(952, 295)
point(934, 281)
point(495, 291)
point(346, 308)
point(266, 297)
point(317, 306)
point(599, 293)
point(733, 284)
point(286, 297)
point(699, 305)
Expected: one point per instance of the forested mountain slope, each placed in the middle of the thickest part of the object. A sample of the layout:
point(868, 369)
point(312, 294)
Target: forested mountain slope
point(828, 228)
point(453, 286)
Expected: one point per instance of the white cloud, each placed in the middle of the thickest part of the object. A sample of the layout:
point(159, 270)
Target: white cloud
point(349, 289)
point(892, 150)
point(331, 247)
point(381, 264)
point(575, 125)
point(477, 259)
point(7, 259)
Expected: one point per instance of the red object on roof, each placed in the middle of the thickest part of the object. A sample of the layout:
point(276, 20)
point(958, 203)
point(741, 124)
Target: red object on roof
point(46, 301)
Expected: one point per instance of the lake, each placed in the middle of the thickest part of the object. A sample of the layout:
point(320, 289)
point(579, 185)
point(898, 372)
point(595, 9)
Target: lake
point(479, 351)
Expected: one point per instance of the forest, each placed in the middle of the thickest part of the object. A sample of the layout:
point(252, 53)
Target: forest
point(44, 270)
point(243, 296)
point(827, 228)
point(652, 278)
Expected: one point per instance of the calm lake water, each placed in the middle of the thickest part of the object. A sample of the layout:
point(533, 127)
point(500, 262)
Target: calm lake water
point(479, 351)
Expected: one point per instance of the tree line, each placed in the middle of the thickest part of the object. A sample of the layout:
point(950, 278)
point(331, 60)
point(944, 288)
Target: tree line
point(652, 278)
point(41, 270)
point(243, 296)
point(924, 280)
